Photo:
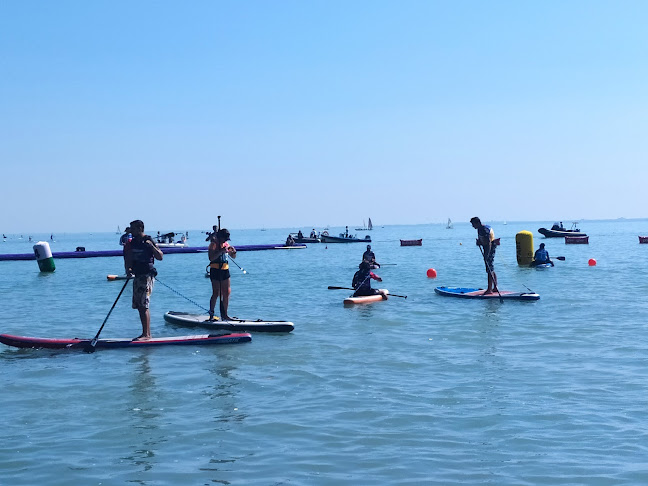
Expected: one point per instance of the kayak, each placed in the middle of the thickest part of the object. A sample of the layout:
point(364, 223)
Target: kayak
point(76, 343)
point(472, 293)
point(365, 299)
point(202, 320)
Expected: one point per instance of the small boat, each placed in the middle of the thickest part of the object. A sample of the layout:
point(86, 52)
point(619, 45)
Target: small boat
point(172, 245)
point(202, 320)
point(76, 343)
point(449, 225)
point(473, 293)
point(326, 238)
point(643, 239)
point(366, 299)
point(411, 242)
point(577, 240)
point(558, 231)
point(368, 227)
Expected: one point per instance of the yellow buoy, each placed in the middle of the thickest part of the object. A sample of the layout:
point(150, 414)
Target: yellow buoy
point(524, 247)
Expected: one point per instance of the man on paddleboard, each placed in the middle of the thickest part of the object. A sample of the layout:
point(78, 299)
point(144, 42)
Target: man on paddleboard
point(541, 257)
point(369, 256)
point(139, 255)
point(362, 281)
point(486, 240)
point(219, 275)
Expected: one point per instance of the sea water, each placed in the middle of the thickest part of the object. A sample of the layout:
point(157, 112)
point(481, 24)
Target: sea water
point(423, 390)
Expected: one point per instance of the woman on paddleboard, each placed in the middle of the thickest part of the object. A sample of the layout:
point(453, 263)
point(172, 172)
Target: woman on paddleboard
point(486, 239)
point(362, 281)
point(219, 275)
point(139, 255)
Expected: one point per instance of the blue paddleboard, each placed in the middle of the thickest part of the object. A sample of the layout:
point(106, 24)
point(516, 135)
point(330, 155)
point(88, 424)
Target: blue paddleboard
point(473, 293)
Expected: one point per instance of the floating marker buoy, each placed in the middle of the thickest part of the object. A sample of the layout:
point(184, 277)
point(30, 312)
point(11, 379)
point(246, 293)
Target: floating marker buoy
point(591, 262)
point(44, 256)
point(431, 273)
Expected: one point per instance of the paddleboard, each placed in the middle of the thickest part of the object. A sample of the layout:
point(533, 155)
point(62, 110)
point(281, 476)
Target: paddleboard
point(365, 299)
point(202, 320)
point(76, 343)
point(472, 293)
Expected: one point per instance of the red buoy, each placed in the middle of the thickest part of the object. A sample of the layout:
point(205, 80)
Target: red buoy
point(431, 273)
point(591, 262)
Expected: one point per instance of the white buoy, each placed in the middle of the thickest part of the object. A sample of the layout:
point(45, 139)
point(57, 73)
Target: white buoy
point(44, 256)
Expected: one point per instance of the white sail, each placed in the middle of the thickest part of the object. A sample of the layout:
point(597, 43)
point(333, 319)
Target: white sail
point(449, 225)
point(370, 225)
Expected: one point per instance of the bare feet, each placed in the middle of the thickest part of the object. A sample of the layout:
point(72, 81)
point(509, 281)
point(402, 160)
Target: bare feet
point(142, 337)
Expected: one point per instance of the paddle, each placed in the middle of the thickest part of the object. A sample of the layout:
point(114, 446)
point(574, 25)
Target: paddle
point(491, 273)
point(349, 288)
point(90, 347)
point(560, 258)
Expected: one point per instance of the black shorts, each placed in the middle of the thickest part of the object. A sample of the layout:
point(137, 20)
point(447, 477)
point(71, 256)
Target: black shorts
point(217, 274)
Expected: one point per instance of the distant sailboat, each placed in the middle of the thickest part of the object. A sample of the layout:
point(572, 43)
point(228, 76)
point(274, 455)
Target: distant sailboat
point(118, 231)
point(365, 227)
point(449, 225)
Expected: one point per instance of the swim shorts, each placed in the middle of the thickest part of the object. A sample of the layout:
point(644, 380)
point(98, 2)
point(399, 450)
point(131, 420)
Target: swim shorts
point(142, 288)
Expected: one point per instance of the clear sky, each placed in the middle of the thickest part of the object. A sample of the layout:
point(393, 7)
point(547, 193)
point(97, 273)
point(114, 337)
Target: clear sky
point(309, 113)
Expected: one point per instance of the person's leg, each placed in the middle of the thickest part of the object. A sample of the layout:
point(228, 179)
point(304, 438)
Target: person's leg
point(226, 290)
point(215, 293)
point(145, 317)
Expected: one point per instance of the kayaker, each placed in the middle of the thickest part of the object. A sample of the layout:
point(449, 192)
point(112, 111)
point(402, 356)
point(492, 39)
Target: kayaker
point(486, 240)
point(369, 256)
point(140, 254)
point(290, 241)
point(218, 251)
point(541, 257)
point(362, 281)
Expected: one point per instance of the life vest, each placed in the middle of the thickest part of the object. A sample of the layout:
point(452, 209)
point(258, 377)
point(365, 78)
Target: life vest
point(221, 262)
point(142, 255)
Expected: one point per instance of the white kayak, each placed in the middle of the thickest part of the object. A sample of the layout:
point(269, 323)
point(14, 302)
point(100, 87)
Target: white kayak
point(202, 320)
point(366, 299)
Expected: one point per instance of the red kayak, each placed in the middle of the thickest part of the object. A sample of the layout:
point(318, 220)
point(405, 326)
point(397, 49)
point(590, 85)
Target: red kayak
point(76, 343)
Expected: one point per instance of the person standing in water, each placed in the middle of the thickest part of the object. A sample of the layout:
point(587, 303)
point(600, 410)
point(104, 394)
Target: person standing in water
point(219, 275)
point(486, 239)
point(140, 254)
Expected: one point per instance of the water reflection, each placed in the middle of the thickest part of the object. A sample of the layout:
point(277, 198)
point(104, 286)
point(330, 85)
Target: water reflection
point(144, 407)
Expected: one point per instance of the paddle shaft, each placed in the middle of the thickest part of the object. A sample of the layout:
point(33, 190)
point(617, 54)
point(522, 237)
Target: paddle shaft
point(331, 287)
point(491, 273)
point(93, 343)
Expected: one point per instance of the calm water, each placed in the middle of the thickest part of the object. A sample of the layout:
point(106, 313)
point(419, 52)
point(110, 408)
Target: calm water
point(427, 390)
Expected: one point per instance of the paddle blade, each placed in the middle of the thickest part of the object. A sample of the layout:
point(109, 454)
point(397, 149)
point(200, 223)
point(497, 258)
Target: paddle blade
point(561, 258)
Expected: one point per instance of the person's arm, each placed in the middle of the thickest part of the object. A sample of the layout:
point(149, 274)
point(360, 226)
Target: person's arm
point(231, 251)
point(128, 256)
point(157, 253)
point(375, 277)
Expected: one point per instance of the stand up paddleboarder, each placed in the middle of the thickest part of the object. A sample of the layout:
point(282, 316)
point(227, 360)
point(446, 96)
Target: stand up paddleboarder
point(486, 240)
point(218, 251)
point(140, 254)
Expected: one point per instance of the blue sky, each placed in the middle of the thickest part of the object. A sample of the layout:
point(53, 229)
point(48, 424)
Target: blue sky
point(314, 113)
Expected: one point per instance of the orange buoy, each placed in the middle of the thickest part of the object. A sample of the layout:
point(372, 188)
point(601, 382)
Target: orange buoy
point(431, 273)
point(591, 262)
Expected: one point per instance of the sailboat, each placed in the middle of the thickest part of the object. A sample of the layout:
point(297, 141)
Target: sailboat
point(118, 230)
point(449, 225)
point(365, 227)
